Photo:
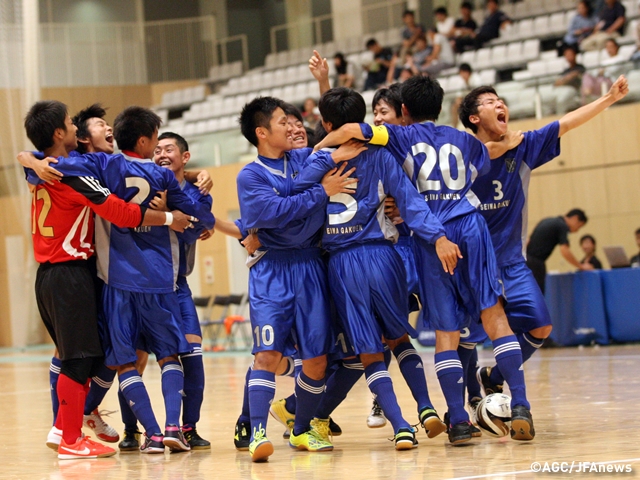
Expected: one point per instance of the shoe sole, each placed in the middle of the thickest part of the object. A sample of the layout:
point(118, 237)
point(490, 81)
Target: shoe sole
point(273, 413)
point(109, 439)
point(476, 434)
point(64, 456)
point(242, 449)
point(336, 434)
point(262, 452)
point(459, 440)
point(152, 450)
point(203, 447)
point(522, 429)
point(376, 426)
point(302, 447)
point(405, 445)
point(434, 427)
point(53, 446)
point(175, 445)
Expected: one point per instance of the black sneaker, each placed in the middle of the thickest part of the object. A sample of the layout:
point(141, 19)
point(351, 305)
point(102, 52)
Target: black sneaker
point(335, 429)
point(152, 444)
point(405, 439)
point(242, 438)
point(458, 433)
point(196, 441)
point(488, 387)
point(130, 442)
point(475, 431)
point(174, 439)
point(522, 423)
point(431, 422)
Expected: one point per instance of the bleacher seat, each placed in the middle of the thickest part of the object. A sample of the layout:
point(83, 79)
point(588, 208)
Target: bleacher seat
point(531, 49)
point(488, 76)
point(514, 52)
point(541, 25)
point(525, 28)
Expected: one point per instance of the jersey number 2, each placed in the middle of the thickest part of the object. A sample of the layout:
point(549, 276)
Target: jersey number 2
point(143, 189)
point(41, 194)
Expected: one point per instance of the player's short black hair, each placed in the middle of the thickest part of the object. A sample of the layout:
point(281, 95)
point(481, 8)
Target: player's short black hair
point(576, 212)
point(570, 46)
point(42, 120)
point(465, 67)
point(587, 237)
point(292, 110)
point(258, 113)
point(182, 144)
point(588, 6)
point(342, 105)
point(132, 123)
point(469, 106)
point(81, 120)
point(467, 5)
point(441, 10)
point(391, 96)
point(422, 97)
point(408, 12)
point(371, 42)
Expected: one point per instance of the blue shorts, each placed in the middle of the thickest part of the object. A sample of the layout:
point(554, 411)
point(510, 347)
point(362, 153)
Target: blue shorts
point(130, 316)
point(474, 333)
point(525, 306)
point(405, 248)
point(451, 302)
point(190, 321)
point(342, 346)
point(289, 303)
point(369, 286)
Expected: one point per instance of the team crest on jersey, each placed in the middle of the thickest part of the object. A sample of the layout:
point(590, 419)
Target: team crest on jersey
point(511, 164)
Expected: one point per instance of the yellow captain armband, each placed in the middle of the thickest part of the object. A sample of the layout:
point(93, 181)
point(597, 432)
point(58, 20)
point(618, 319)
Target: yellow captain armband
point(379, 135)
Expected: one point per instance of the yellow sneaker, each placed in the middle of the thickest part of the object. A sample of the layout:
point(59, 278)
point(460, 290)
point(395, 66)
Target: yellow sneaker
point(279, 411)
point(323, 428)
point(312, 440)
point(260, 448)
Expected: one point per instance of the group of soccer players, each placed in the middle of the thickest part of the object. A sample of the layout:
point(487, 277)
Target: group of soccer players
point(341, 241)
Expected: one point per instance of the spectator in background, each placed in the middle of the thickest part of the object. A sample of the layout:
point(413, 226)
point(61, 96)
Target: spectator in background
point(594, 85)
point(635, 260)
point(566, 91)
point(582, 24)
point(444, 23)
point(635, 58)
point(310, 113)
point(410, 32)
point(379, 67)
point(588, 246)
point(610, 25)
point(465, 26)
point(495, 21)
point(344, 72)
point(544, 238)
point(469, 81)
point(440, 58)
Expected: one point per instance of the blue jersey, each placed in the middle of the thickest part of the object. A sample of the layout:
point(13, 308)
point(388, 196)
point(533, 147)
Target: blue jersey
point(441, 162)
point(503, 192)
point(188, 238)
point(144, 259)
point(286, 221)
point(359, 217)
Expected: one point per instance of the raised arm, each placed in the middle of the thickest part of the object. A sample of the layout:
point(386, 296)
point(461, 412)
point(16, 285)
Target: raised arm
point(320, 70)
point(583, 114)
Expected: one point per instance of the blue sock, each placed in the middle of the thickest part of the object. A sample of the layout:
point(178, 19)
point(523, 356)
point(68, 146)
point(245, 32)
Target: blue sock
point(309, 392)
point(54, 373)
point(262, 389)
point(338, 385)
point(128, 417)
point(172, 391)
point(245, 415)
point(381, 386)
point(412, 370)
point(137, 398)
point(528, 345)
point(193, 385)
point(451, 378)
point(473, 387)
point(465, 353)
point(100, 385)
point(509, 359)
point(290, 403)
point(387, 356)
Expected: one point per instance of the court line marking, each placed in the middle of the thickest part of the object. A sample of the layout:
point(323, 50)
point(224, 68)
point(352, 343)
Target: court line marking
point(519, 472)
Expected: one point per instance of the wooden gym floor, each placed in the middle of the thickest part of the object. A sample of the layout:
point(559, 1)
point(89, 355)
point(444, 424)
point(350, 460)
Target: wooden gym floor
point(584, 403)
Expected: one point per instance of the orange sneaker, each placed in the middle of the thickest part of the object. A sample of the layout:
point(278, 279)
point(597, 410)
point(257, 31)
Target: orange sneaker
point(84, 448)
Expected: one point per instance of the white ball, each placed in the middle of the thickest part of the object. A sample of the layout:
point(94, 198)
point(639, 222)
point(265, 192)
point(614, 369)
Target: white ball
point(494, 414)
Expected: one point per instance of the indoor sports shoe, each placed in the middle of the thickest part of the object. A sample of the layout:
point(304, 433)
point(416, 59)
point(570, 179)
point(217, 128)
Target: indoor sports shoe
point(475, 431)
point(483, 375)
point(473, 407)
point(54, 437)
point(278, 410)
point(323, 428)
point(103, 430)
point(83, 448)
point(376, 419)
point(195, 441)
point(336, 431)
point(286, 434)
point(152, 444)
point(405, 439)
point(431, 422)
point(522, 423)
point(260, 448)
point(460, 433)
point(130, 442)
point(242, 438)
point(313, 440)
point(174, 439)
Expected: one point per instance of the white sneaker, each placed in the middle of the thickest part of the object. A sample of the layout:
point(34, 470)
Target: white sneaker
point(102, 430)
point(54, 437)
point(377, 418)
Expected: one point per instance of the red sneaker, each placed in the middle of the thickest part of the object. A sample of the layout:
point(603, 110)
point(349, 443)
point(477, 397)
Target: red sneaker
point(84, 448)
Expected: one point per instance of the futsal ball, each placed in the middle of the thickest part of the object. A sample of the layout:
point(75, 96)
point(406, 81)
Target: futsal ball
point(494, 414)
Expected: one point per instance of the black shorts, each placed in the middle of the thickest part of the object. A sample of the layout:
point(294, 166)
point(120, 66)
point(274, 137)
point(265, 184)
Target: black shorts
point(66, 296)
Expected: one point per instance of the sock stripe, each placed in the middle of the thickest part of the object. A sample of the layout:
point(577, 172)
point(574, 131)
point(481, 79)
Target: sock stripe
point(262, 383)
point(403, 355)
point(101, 383)
point(467, 345)
point(305, 386)
point(445, 364)
point(505, 347)
point(172, 366)
point(353, 366)
point(377, 376)
point(54, 369)
point(130, 381)
point(297, 362)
